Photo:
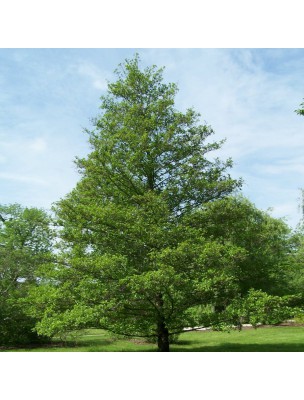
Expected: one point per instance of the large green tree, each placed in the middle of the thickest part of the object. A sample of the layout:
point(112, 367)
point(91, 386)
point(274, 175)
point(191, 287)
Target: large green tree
point(131, 259)
point(25, 243)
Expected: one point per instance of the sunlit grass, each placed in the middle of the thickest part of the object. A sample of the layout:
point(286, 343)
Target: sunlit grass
point(263, 339)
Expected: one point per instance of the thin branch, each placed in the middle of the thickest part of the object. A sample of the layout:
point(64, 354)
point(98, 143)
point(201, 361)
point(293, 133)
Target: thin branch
point(127, 334)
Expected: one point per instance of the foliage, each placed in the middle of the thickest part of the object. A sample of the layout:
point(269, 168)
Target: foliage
point(266, 241)
point(295, 264)
point(299, 317)
point(25, 243)
point(300, 111)
point(131, 259)
point(259, 307)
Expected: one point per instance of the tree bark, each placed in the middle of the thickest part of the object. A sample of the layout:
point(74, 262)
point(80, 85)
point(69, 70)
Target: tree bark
point(162, 330)
point(162, 336)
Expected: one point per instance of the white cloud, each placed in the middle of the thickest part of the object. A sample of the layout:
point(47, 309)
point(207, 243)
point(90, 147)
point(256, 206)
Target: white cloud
point(243, 99)
point(95, 75)
point(23, 178)
point(281, 167)
point(247, 96)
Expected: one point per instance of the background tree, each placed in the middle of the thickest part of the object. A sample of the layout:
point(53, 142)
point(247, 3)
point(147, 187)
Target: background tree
point(25, 243)
point(268, 246)
point(296, 261)
point(266, 241)
point(295, 265)
point(132, 260)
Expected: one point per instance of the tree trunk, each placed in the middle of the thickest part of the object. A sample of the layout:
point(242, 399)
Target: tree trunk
point(162, 337)
point(162, 330)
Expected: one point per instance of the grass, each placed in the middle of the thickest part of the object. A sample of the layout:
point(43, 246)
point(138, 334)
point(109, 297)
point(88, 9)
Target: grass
point(263, 339)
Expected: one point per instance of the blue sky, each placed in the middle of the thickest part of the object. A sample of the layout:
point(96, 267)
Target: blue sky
point(248, 96)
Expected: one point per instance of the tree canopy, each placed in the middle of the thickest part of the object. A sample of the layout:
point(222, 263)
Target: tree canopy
point(267, 241)
point(25, 244)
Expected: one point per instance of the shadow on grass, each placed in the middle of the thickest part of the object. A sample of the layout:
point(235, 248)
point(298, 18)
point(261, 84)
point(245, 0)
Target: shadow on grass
point(190, 346)
point(181, 347)
point(60, 345)
point(234, 347)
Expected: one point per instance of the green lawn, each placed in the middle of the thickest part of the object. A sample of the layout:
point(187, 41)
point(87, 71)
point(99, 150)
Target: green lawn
point(262, 339)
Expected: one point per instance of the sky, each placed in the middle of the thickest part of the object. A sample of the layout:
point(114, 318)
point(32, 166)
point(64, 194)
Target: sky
point(248, 96)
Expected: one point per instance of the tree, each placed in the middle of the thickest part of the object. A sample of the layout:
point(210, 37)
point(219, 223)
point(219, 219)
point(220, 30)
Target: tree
point(295, 264)
point(297, 256)
point(131, 259)
point(25, 243)
point(267, 242)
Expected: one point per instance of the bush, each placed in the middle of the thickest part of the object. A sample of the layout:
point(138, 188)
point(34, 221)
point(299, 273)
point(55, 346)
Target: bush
point(18, 330)
point(259, 307)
